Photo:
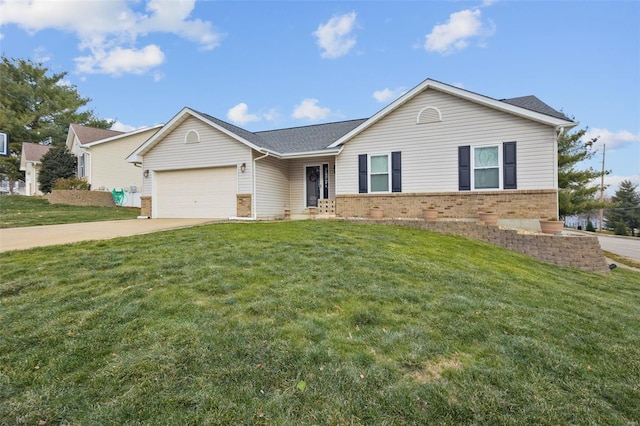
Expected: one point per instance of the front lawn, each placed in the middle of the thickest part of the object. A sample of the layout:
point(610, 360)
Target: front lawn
point(312, 323)
point(19, 211)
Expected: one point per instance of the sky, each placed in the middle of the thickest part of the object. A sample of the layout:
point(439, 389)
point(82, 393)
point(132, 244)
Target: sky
point(264, 64)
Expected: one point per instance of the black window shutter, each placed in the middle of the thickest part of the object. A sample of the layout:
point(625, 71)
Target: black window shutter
point(363, 177)
point(509, 165)
point(464, 168)
point(396, 172)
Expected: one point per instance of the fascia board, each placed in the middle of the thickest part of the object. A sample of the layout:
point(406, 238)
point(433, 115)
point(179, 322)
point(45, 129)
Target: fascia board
point(324, 153)
point(124, 135)
point(382, 113)
point(230, 133)
point(455, 91)
point(137, 155)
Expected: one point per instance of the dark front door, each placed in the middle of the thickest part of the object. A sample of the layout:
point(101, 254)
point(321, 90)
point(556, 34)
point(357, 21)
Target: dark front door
point(313, 185)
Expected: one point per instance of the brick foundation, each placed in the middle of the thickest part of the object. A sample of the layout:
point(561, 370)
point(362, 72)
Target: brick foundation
point(581, 252)
point(517, 204)
point(243, 205)
point(145, 205)
point(81, 198)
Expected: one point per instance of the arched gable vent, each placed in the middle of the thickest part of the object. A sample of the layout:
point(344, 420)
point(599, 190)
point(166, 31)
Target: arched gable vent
point(429, 115)
point(192, 136)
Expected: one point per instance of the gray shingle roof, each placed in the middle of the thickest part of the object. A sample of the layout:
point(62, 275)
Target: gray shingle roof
point(319, 136)
point(88, 134)
point(33, 152)
point(534, 104)
point(308, 138)
point(292, 140)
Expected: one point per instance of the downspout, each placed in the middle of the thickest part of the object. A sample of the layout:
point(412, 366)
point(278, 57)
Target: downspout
point(254, 197)
point(558, 131)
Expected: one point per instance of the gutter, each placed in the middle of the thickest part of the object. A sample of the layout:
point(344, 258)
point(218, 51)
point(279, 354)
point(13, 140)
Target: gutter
point(254, 200)
point(254, 197)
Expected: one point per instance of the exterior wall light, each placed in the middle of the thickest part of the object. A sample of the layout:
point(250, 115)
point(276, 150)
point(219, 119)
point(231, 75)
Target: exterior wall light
point(146, 173)
point(243, 167)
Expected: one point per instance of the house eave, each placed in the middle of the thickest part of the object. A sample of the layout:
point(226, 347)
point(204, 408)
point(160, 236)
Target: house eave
point(137, 155)
point(114, 138)
point(461, 93)
point(310, 154)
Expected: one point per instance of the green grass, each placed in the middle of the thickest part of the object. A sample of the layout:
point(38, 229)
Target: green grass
point(312, 322)
point(19, 211)
point(622, 259)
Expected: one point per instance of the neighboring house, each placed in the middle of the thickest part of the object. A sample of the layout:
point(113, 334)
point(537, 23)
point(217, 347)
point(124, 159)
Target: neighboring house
point(102, 159)
point(437, 144)
point(30, 163)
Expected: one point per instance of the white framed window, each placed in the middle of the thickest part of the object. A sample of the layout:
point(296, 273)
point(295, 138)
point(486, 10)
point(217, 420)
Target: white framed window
point(81, 165)
point(379, 173)
point(4, 145)
point(486, 165)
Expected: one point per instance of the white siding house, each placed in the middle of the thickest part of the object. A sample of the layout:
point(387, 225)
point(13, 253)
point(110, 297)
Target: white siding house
point(30, 163)
point(102, 161)
point(436, 143)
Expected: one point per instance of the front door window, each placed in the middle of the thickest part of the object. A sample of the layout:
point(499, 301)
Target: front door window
point(313, 185)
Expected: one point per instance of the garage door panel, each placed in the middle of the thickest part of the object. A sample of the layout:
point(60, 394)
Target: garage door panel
point(200, 193)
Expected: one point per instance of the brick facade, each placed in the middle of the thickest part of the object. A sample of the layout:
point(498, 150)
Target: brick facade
point(81, 198)
point(517, 204)
point(243, 205)
point(145, 205)
point(581, 252)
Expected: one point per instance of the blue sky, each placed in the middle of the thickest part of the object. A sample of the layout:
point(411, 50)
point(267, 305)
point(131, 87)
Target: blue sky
point(264, 64)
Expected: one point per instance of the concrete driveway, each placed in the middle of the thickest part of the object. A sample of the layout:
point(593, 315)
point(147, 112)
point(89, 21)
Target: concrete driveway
point(49, 235)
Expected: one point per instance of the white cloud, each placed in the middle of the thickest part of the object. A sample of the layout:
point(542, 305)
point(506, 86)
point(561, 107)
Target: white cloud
point(109, 29)
point(121, 127)
point(457, 32)
point(309, 109)
point(611, 139)
point(271, 115)
point(334, 37)
point(120, 61)
point(613, 182)
point(240, 114)
point(386, 94)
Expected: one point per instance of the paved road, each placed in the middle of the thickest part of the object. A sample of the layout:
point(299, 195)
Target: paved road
point(40, 236)
point(623, 246)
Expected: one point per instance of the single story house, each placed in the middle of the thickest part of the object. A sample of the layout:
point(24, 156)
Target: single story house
point(436, 145)
point(102, 161)
point(30, 163)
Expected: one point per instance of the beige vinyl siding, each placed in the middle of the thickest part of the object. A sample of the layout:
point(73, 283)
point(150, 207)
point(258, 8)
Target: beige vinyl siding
point(298, 180)
point(430, 151)
point(272, 186)
point(215, 149)
point(109, 168)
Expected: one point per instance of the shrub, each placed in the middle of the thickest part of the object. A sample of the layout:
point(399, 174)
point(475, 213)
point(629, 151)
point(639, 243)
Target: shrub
point(71, 183)
point(590, 226)
point(620, 229)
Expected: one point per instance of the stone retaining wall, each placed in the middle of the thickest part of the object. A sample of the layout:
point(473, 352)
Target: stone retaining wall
point(581, 252)
point(81, 198)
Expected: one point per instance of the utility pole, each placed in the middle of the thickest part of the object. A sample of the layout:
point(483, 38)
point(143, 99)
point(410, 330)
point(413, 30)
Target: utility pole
point(604, 150)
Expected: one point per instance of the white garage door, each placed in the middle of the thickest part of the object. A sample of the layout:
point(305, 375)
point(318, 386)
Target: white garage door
point(196, 193)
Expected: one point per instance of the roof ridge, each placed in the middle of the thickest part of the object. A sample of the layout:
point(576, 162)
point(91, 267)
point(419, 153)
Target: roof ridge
point(311, 125)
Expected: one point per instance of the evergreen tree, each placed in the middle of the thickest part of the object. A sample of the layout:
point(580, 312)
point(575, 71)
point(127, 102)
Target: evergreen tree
point(57, 163)
point(37, 105)
point(625, 207)
point(577, 192)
